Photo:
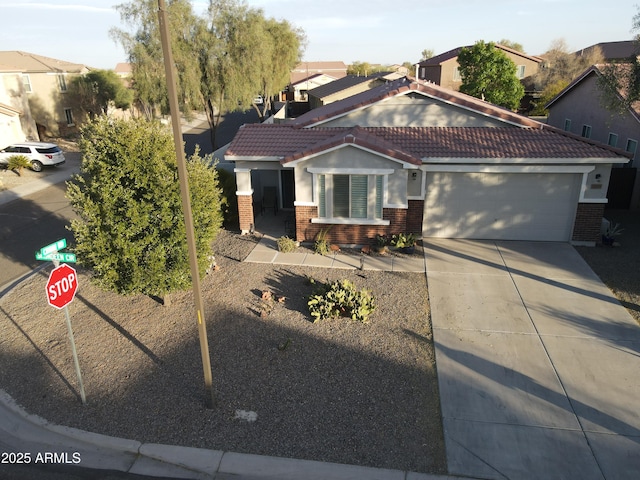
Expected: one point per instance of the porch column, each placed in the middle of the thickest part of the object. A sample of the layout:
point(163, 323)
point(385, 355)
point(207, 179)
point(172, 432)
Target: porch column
point(244, 196)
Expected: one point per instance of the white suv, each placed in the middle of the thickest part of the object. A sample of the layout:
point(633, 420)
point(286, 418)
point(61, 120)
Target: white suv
point(38, 152)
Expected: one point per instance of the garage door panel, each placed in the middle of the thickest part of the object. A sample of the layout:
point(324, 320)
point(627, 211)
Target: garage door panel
point(501, 206)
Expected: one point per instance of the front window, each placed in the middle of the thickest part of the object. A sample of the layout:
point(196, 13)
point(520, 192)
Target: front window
point(348, 196)
point(62, 83)
point(26, 82)
point(69, 116)
point(520, 71)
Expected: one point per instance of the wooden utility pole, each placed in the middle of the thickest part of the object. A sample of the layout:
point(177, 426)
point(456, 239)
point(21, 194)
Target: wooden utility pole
point(186, 201)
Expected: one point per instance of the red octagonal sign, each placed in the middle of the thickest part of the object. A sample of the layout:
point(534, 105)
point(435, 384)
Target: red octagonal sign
point(62, 286)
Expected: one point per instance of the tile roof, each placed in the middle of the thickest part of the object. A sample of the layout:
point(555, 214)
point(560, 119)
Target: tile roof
point(403, 86)
point(442, 57)
point(14, 60)
point(613, 50)
point(287, 143)
point(341, 84)
point(305, 69)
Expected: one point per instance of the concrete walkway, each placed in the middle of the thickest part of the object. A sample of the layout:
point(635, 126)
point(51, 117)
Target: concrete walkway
point(537, 363)
point(267, 252)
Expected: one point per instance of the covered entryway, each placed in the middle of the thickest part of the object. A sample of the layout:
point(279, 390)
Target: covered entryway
point(505, 206)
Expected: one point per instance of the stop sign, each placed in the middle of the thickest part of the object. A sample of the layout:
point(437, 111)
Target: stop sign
point(61, 286)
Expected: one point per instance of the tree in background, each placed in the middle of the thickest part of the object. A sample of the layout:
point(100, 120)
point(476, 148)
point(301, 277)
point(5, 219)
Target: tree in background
point(97, 90)
point(559, 69)
point(130, 229)
point(224, 60)
point(426, 54)
point(512, 45)
point(487, 73)
point(365, 68)
point(620, 83)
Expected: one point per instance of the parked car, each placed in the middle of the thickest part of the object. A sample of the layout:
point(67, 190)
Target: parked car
point(39, 153)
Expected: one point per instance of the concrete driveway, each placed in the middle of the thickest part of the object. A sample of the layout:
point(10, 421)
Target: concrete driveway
point(538, 363)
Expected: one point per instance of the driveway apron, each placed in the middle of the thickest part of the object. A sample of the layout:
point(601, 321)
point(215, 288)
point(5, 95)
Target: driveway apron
point(537, 363)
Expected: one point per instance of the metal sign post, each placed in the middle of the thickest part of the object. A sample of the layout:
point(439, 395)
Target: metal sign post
point(61, 290)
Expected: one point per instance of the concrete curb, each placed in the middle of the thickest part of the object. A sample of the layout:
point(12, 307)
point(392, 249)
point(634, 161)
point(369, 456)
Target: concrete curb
point(26, 433)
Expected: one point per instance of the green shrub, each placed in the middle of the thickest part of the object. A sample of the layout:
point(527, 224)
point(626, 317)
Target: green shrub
point(341, 298)
point(17, 162)
point(228, 201)
point(286, 244)
point(322, 245)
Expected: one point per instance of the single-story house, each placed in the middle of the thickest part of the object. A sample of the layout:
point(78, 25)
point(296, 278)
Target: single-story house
point(415, 157)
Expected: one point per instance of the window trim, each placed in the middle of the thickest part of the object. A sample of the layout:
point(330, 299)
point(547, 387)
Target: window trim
point(62, 82)
point(28, 88)
point(612, 136)
point(68, 113)
point(323, 195)
point(634, 150)
point(567, 124)
point(520, 70)
point(586, 131)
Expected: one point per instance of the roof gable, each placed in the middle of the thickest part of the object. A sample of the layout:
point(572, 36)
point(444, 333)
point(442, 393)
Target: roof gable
point(405, 86)
point(453, 54)
point(593, 70)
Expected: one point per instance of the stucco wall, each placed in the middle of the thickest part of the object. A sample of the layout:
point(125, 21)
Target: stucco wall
point(582, 106)
point(348, 159)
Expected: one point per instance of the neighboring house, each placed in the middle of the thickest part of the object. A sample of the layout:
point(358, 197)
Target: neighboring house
point(414, 157)
point(612, 51)
point(306, 69)
point(578, 109)
point(123, 70)
point(45, 82)
point(298, 91)
point(16, 122)
point(343, 88)
point(444, 70)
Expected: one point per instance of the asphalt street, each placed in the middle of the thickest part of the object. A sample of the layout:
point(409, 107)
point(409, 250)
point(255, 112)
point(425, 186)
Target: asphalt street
point(28, 224)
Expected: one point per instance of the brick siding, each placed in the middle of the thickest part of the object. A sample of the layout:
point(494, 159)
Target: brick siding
point(588, 222)
point(400, 220)
point(245, 212)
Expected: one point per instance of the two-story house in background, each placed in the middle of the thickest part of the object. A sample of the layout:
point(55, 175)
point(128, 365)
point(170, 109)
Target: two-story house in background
point(578, 109)
point(444, 70)
point(45, 83)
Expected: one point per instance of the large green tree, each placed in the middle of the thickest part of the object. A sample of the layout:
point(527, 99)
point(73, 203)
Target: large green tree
point(224, 59)
point(489, 74)
point(130, 229)
point(97, 90)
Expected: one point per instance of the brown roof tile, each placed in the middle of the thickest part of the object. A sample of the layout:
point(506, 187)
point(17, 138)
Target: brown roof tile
point(408, 144)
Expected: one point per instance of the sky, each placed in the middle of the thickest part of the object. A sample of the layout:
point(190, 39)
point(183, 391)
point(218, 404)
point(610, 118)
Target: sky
point(374, 31)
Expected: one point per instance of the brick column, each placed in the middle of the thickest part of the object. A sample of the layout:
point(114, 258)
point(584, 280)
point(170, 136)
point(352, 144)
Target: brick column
point(245, 213)
point(586, 228)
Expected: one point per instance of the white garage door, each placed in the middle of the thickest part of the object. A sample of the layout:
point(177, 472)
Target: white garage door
point(505, 206)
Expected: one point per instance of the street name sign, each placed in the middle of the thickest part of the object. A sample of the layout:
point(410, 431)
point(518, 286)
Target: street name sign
point(54, 247)
point(62, 257)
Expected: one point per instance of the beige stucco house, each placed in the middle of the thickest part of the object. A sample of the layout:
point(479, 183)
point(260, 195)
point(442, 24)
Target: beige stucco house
point(45, 83)
point(410, 156)
point(443, 69)
point(16, 122)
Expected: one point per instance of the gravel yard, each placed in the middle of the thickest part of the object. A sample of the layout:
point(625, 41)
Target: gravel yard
point(619, 266)
point(337, 391)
